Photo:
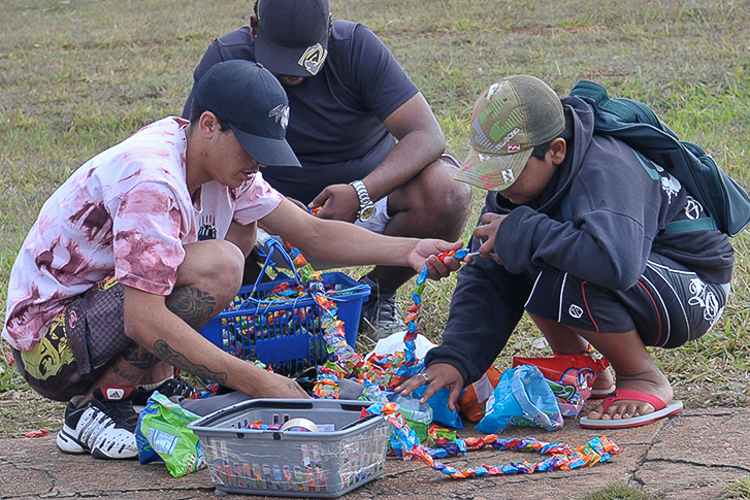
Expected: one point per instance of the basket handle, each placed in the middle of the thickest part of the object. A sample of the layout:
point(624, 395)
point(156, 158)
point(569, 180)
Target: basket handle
point(274, 246)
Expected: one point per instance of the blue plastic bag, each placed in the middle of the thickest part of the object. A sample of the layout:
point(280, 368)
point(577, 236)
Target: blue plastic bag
point(522, 397)
point(439, 404)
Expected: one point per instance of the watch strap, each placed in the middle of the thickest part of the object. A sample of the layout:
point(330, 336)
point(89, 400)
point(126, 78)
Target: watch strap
point(364, 197)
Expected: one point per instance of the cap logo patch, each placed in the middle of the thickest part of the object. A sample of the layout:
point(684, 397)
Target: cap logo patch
point(281, 114)
point(313, 58)
point(499, 147)
point(508, 176)
point(514, 148)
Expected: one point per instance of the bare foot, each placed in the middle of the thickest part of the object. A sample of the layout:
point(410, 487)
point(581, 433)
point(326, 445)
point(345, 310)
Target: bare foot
point(652, 383)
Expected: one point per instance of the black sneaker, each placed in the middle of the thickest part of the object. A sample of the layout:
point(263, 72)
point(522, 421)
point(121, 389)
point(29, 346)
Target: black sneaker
point(174, 388)
point(380, 316)
point(104, 426)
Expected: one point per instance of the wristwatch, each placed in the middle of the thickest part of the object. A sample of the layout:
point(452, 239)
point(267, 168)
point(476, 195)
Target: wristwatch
point(366, 206)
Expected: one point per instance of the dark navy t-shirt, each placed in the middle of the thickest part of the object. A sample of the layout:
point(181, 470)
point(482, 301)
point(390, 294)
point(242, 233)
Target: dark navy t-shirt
point(336, 117)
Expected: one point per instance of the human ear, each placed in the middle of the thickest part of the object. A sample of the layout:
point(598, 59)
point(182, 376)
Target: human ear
point(557, 148)
point(253, 26)
point(208, 124)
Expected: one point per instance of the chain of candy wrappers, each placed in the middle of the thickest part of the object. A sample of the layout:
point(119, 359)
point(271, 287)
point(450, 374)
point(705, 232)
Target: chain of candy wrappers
point(404, 442)
point(376, 373)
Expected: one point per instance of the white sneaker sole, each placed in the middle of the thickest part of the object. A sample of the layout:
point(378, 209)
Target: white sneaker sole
point(67, 443)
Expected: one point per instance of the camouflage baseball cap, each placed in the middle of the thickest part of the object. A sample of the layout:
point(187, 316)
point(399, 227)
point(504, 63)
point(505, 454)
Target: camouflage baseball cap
point(512, 117)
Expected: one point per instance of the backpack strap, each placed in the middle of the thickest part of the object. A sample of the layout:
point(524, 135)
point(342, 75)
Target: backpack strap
point(567, 211)
point(685, 225)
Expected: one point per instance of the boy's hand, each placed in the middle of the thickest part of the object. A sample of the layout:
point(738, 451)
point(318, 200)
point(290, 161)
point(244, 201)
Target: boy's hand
point(487, 232)
point(438, 375)
point(425, 252)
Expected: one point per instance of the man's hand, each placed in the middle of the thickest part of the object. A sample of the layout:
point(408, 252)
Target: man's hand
point(339, 202)
point(425, 253)
point(439, 375)
point(298, 203)
point(487, 232)
point(276, 386)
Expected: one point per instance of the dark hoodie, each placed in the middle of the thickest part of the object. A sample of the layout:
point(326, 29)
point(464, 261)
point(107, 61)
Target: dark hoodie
point(618, 205)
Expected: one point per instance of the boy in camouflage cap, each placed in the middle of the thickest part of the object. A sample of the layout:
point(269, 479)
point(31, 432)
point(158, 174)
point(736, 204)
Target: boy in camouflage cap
point(572, 233)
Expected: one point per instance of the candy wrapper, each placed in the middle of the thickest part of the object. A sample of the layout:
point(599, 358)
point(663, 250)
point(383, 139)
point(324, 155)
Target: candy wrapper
point(162, 434)
point(474, 398)
point(522, 397)
point(569, 376)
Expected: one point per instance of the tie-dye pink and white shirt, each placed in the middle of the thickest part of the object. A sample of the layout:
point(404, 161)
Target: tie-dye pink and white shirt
point(127, 211)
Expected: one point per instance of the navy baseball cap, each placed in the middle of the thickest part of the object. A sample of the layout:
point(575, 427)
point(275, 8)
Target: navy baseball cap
point(292, 36)
point(254, 103)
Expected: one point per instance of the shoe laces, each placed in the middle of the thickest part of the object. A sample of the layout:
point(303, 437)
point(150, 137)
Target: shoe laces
point(177, 387)
point(121, 413)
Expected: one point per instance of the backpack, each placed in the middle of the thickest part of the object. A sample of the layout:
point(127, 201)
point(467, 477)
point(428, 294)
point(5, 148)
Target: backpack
point(634, 123)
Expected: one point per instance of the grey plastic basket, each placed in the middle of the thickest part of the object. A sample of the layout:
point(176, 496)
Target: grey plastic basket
point(292, 463)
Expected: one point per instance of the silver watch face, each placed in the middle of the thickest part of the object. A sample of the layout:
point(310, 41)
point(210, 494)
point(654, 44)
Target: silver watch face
point(367, 213)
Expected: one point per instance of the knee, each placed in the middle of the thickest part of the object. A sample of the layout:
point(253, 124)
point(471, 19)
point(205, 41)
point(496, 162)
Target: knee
point(444, 197)
point(214, 266)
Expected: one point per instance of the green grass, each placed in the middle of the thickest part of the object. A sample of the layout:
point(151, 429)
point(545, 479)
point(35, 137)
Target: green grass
point(738, 490)
point(621, 492)
point(77, 76)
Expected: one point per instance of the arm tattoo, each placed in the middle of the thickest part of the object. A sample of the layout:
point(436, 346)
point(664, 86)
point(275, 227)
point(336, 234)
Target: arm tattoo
point(174, 358)
point(193, 306)
point(139, 357)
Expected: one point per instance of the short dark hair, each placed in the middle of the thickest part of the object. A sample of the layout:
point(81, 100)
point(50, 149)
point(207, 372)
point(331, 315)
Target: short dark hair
point(197, 110)
point(540, 151)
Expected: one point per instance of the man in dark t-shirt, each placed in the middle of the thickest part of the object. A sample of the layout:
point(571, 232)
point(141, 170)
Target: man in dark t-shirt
point(370, 148)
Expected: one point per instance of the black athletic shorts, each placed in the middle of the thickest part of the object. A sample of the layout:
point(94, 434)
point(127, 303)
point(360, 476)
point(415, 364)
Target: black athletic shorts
point(79, 344)
point(668, 306)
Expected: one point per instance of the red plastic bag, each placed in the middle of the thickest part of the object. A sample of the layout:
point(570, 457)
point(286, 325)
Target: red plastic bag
point(570, 376)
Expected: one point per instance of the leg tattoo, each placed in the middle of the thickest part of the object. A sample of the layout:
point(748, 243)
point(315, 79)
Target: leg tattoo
point(139, 357)
point(193, 306)
point(174, 358)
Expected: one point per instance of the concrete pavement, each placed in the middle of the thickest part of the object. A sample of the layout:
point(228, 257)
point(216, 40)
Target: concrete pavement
point(692, 455)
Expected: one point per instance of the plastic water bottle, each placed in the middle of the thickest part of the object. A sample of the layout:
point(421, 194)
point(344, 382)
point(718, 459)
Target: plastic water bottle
point(418, 416)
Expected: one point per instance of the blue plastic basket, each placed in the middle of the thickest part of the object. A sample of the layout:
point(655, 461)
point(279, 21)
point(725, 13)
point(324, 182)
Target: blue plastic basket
point(285, 334)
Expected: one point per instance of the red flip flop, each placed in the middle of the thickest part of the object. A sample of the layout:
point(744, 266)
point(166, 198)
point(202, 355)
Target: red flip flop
point(661, 410)
point(602, 393)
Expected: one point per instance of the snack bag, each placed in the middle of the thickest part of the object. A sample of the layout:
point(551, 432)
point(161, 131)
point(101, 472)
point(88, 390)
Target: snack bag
point(474, 398)
point(162, 434)
point(522, 397)
point(570, 376)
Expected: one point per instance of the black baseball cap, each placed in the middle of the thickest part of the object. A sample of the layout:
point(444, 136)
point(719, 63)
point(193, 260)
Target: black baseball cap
point(292, 36)
point(254, 103)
